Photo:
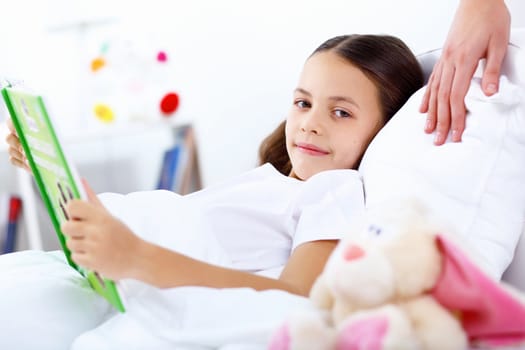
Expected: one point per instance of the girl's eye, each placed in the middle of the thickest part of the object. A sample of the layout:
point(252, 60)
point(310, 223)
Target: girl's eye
point(342, 114)
point(302, 104)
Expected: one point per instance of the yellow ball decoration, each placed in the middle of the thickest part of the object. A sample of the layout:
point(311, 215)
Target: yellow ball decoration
point(104, 113)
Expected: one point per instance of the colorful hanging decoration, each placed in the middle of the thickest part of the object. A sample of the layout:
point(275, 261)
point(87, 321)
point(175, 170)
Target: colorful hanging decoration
point(97, 64)
point(162, 57)
point(169, 103)
point(130, 80)
point(104, 113)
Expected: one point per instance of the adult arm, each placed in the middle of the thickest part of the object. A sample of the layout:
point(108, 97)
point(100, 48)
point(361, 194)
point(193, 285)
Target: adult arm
point(480, 29)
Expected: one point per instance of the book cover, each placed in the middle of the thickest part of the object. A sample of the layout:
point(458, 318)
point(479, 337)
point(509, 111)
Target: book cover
point(56, 179)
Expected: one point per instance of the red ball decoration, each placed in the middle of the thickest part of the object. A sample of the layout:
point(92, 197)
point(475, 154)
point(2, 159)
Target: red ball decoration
point(169, 103)
point(162, 56)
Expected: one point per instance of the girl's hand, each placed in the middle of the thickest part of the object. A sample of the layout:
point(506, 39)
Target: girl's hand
point(97, 240)
point(16, 153)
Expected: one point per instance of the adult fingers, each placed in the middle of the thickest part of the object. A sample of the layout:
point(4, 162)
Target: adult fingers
point(432, 90)
point(495, 55)
point(459, 90)
point(423, 108)
point(443, 104)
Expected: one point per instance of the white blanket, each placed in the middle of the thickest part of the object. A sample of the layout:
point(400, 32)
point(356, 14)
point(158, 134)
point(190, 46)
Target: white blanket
point(45, 304)
point(194, 318)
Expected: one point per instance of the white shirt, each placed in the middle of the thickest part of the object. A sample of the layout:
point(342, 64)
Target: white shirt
point(251, 222)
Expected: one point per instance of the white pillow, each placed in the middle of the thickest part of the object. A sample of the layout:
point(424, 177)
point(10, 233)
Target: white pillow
point(476, 186)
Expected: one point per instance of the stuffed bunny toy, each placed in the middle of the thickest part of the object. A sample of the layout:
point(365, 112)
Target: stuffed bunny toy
point(396, 282)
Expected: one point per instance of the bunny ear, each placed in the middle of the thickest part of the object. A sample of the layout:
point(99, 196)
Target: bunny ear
point(489, 313)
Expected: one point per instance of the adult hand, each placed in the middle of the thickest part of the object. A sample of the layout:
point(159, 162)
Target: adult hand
point(16, 153)
point(98, 241)
point(480, 29)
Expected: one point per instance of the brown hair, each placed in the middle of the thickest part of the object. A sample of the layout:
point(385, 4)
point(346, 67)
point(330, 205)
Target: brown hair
point(384, 59)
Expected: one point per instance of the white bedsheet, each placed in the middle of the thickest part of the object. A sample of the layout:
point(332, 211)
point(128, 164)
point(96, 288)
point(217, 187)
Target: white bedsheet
point(45, 304)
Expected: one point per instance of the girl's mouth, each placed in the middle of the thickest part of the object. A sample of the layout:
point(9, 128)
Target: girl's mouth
point(311, 149)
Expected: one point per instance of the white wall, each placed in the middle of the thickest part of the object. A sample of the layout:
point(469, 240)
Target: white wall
point(234, 63)
point(240, 60)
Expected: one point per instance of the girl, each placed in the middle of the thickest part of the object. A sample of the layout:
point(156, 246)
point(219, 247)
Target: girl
point(275, 226)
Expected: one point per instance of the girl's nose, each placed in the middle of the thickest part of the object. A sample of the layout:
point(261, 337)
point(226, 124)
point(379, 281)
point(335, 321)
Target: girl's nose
point(312, 123)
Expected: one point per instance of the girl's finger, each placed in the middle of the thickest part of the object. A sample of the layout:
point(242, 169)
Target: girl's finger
point(81, 259)
point(74, 230)
point(75, 245)
point(16, 154)
point(13, 141)
point(10, 126)
point(92, 196)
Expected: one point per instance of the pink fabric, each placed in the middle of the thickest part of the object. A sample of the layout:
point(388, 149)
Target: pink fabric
point(489, 314)
point(281, 339)
point(366, 334)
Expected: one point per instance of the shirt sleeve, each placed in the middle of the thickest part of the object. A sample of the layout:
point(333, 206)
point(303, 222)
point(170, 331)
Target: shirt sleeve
point(328, 205)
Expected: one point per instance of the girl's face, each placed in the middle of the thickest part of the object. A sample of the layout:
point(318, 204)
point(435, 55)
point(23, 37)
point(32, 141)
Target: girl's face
point(335, 114)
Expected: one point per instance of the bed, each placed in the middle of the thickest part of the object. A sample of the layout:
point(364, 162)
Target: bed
point(486, 203)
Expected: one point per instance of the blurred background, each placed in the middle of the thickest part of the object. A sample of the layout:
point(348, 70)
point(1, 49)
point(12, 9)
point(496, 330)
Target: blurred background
point(105, 66)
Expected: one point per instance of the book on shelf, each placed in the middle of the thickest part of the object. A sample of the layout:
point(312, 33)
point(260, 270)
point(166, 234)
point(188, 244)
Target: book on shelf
point(15, 208)
point(10, 209)
point(180, 170)
point(168, 172)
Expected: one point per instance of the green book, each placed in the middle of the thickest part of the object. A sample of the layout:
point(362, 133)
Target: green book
point(55, 177)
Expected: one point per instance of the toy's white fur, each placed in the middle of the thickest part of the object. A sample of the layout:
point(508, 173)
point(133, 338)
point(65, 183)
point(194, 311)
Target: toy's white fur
point(390, 281)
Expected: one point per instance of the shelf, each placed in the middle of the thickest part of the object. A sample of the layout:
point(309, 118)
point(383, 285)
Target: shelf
point(116, 130)
point(103, 131)
point(104, 151)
